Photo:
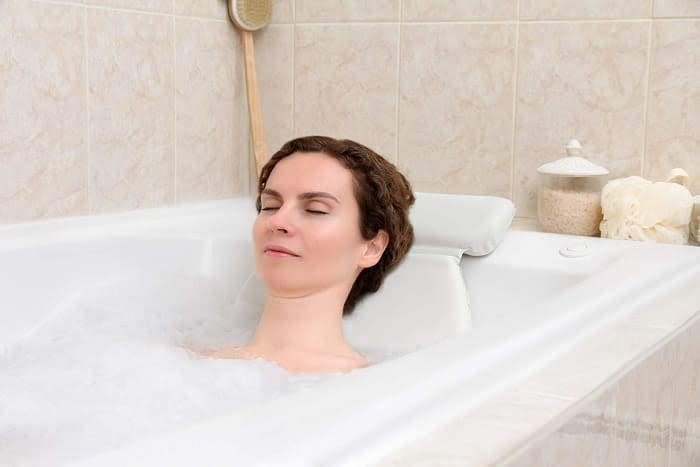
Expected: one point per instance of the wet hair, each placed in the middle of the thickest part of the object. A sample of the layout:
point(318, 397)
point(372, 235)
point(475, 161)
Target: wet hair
point(383, 195)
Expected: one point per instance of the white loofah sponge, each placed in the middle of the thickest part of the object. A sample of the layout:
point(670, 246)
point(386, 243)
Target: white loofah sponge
point(638, 209)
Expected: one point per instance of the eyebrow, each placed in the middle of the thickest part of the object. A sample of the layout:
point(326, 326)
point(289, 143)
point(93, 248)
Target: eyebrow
point(305, 195)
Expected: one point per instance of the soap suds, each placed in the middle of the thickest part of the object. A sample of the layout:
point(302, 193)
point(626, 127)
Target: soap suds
point(112, 370)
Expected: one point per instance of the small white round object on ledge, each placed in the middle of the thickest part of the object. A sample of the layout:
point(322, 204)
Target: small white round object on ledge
point(576, 250)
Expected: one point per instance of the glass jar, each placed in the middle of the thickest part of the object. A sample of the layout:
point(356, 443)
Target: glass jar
point(568, 194)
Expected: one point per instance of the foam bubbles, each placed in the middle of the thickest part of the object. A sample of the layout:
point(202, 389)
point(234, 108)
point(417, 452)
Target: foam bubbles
point(112, 370)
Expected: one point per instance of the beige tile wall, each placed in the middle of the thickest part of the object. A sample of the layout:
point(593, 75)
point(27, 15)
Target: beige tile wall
point(120, 104)
point(209, 122)
point(43, 119)
point(110, 105)
point(457, 138)
point(585, 80)
point(130, 110)
point(472, 96)
point(345, 83)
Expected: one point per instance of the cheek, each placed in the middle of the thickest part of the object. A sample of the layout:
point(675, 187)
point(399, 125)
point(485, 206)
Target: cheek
point(258, 229)
point(337, 246)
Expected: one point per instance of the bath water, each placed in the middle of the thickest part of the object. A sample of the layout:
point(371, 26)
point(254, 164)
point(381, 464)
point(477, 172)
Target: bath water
point(111, 369)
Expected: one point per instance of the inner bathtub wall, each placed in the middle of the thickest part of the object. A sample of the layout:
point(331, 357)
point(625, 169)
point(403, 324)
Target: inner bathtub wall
point(110, 105)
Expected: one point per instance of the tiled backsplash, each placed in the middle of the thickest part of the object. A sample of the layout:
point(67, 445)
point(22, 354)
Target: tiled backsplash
point(113, 105)
point(121, 104)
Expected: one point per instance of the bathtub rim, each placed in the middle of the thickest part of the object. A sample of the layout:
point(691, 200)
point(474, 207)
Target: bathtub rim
point(115, 224)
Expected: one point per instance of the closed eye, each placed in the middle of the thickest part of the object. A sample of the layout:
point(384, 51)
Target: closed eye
point(314, 211)
point(269, 208)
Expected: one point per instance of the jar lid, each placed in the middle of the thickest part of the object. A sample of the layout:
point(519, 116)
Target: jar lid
point(573, 164)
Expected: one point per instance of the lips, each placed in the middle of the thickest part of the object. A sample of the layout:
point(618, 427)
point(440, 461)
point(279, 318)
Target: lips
point(279, 250)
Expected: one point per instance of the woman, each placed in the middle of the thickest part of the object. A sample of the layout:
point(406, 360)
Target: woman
point(332, 222)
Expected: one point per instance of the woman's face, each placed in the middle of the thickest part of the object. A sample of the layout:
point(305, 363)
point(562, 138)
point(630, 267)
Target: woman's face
point(307, 237)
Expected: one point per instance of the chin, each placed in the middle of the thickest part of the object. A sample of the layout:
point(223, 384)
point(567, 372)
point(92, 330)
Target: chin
point(282, 283)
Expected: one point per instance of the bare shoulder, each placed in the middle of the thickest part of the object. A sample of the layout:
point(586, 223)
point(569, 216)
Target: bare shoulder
point(293, 360)
point(230, 353)
point(356, 361)
point(328, 363)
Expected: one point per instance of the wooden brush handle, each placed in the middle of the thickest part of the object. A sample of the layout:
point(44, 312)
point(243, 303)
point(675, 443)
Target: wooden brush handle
point(256, 121)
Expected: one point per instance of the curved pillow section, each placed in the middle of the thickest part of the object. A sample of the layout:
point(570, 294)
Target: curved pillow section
point(460, 224)
point(422, 302)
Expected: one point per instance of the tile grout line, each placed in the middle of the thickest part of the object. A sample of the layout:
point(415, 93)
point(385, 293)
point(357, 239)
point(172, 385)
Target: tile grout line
point(398, 84)
point(515, 103)
point(87, 111)
point(56, 2)
point(133, 10)
point(487, 22)
point(174, 123)
point(645, 113)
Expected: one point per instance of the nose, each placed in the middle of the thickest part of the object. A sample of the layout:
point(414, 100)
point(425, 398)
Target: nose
point(280, 221)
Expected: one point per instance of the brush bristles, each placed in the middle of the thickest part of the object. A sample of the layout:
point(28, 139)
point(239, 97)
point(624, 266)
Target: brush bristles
point(250, 14)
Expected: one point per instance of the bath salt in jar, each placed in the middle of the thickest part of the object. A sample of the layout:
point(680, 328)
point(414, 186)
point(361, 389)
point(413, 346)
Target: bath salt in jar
point(568, 194)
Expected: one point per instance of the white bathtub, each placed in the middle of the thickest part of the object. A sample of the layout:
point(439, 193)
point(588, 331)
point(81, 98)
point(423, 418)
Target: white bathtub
point(529, 304)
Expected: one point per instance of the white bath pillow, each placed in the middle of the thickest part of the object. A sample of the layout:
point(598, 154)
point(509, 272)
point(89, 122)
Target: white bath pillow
point(457, 224)
point(421, 302)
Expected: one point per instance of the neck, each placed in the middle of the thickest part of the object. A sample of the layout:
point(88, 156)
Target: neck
point(311, 322)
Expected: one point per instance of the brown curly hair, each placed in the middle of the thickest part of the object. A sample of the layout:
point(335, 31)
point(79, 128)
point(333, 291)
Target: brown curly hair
point(383, 195)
